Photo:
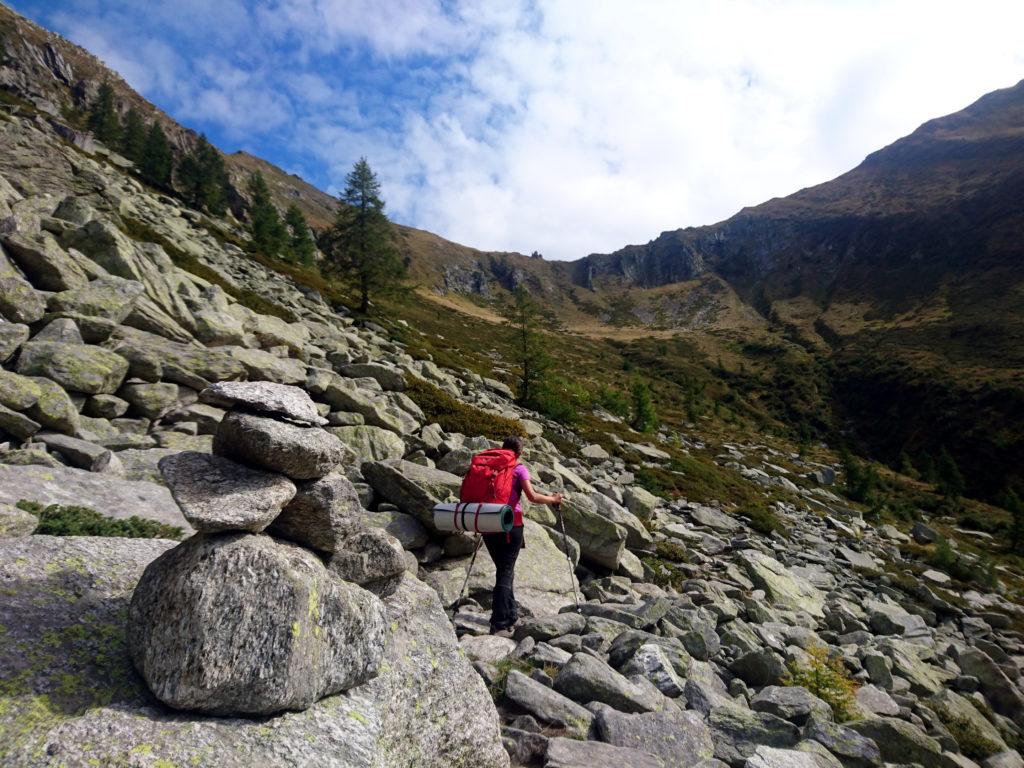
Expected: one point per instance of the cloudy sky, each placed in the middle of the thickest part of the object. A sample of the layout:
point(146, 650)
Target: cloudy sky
point(564, 126)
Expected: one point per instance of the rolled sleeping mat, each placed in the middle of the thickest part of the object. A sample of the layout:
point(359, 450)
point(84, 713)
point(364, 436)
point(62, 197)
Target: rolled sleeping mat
point(473, 517)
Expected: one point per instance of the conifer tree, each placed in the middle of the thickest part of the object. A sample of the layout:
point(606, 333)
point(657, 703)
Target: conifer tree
point(528, 352)
point(950, 482)
point(103, 120)
point(303, 247)
point(156, 162)
point(361, 237)
point(268, 232)
point(203, 179)
point(645, 418)
point(133, 137)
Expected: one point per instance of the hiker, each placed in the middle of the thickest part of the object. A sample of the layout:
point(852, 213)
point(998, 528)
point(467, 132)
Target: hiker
point(504, 547)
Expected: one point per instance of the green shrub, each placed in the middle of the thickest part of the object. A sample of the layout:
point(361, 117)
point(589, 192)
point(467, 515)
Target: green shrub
point(72, 520)
point(613, 401)
point(454, 416)
point(972, 742)
point(762, 519)
point(664, 573)
point(506, 665)
point(825, 676)
point(671, 551)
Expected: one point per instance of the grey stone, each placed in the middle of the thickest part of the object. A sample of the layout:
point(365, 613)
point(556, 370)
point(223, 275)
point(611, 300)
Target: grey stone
point(54, 408)
point(301, 453)
point(875, 701)
point(109, 714)
point(924, 534)
point(19, 301)
point(739, 731)
point(548, 627)
point(585, 678)
point(964, 720)
point(150, 401)
point(783, 588)
point(371, 558)
point(112, 298)
point(406, 528)
point(678, 738)
point(78, 453)
point(196, 639)
point(898, 741)
point(216, 494)
point(16, 522)
point(264, 397)
point(759, 668)
point(853, 749)
point(17, 425)
point(388, 378)
point(1001, 693)
point(105, 407)
point(570, 753)
point(370, 443)
point(770, 757)
point(12, 336)
point(640, 502)
point(793, 703)
point(601, 540)
point(547, 705)
point(322, 514)
point(76, 367)
point(412, 488)
point(18, 392)
point(45, 263)
point(652, 663)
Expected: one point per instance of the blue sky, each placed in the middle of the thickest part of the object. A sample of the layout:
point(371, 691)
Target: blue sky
point(564, 126)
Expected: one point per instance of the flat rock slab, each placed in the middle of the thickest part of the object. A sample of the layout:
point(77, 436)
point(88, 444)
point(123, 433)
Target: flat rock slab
point(107, 494)
point(107, 717)
point(301, 453)
point(217, 494)
point(264, 397)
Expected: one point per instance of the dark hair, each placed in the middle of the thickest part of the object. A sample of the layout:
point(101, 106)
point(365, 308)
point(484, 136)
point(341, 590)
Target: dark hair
point(513, 443)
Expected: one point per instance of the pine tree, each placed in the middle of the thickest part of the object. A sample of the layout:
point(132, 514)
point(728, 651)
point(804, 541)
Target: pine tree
point(268, 232)
point(133, 137)
point(950, 482)
point(645, 417)
point(528, 352)
point(156, 161)
point(303, 247)
point(203, 179)
point(361, 237)
point(103, 120)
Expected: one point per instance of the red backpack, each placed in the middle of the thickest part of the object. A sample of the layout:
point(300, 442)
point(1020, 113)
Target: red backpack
point(490, 477)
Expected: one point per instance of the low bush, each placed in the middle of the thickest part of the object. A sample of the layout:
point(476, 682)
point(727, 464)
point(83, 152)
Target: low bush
point(825, 676)
point(671, 551)
point(506, 665)
point(972, 742)
point(664, 573)
point(73, 520)
point(455, 416)
point(762, 519)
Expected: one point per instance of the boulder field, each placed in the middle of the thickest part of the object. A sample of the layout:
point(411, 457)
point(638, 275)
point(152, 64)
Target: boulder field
point(308, 615)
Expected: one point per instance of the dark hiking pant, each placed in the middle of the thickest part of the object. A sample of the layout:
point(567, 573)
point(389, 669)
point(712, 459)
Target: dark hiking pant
point(504, 549)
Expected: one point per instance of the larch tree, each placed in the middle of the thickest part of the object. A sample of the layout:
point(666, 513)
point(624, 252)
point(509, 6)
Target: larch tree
point(103, 120)
point(303, 247)
point(361, 246)
point(269, 235)
point(157, 161)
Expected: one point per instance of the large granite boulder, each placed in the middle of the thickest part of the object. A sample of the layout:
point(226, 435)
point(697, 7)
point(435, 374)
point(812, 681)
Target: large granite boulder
point(235, 624)
point(76, 698)
point(783, 587)
point(109, 297)
point(76, 367)
point(300, 452)
point(323, 513)
point(602, 541)
point(216, 494)
point(679, 738)
point(371, 558)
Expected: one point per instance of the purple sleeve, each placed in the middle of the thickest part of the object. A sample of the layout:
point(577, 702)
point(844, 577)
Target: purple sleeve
point(522, 474)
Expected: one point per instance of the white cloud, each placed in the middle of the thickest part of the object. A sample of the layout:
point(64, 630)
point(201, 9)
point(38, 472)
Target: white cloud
point(611, 123)
point(566, 126)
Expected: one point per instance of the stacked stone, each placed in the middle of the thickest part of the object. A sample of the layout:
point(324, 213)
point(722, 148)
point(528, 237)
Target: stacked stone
point(275, 602)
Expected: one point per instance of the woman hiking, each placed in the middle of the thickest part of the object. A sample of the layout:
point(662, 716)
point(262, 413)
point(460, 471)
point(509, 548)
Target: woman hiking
point(504, 547)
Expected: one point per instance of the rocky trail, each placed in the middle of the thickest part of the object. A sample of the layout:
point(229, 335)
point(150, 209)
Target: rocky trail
point(276, 429)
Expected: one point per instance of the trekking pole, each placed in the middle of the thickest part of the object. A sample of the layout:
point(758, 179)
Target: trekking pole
point(469, 572)
point(565, 545)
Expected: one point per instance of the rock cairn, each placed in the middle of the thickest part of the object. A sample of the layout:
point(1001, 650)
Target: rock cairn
point(276, 601)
